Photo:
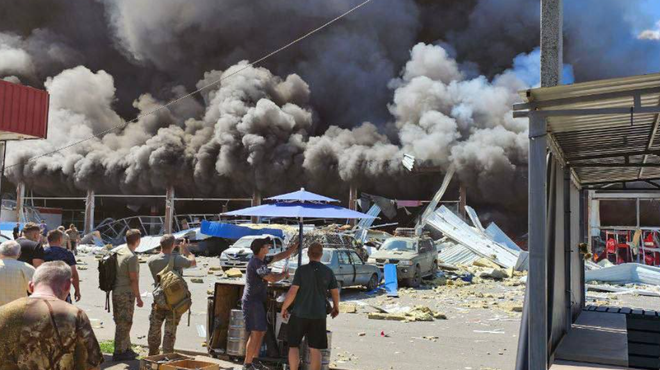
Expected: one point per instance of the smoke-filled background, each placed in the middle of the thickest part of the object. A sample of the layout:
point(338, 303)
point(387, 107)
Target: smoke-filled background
point(433, 79)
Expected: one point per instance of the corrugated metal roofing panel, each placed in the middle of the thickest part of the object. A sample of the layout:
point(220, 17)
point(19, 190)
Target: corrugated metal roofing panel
point(453, 227)
point(499, 236)
point(580, 136)
point(23, 112)
point(458, 255)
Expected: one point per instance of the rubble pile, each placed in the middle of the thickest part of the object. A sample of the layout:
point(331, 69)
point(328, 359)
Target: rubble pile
point(417, 313)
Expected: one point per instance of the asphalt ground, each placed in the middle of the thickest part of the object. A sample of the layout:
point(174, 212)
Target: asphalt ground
point(480, 332)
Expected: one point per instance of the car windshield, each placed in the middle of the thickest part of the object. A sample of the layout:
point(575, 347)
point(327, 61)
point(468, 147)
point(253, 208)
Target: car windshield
point(398, 245)
point(243, 243)
point(327, 258)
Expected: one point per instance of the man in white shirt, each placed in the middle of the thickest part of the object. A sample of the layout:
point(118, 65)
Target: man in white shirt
point(15, 275)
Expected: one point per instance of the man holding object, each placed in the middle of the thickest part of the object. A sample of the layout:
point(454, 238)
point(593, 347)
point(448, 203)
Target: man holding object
point(309, 290)
point(257, 277)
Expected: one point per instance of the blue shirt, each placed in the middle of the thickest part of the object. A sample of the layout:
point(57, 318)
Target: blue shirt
point(255, 285)
point(59, 254)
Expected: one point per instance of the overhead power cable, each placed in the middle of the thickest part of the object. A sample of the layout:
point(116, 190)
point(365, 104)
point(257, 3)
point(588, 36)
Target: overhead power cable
point(224, 77)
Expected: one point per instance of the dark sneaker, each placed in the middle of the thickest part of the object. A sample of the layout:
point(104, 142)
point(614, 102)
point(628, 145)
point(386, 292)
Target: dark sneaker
point(247, 367)
point(124, 356)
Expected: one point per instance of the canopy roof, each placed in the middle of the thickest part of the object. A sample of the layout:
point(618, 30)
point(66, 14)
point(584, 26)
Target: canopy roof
point(302, 196)
point(606, 131)
point(299, 210)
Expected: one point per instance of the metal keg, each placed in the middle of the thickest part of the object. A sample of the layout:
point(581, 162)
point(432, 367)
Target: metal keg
point(236, 335)
point(325, 354)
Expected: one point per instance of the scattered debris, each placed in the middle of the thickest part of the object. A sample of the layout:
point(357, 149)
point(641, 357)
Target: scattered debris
point(483, 262)
point(497, 331)
point(197, 280)
point(347, 307)
point(625, 274)
point(417, 313)
point(233, 273)
point(494, 273)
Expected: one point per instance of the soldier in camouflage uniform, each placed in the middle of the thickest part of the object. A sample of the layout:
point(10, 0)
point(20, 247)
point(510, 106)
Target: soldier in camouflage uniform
point(125, 295)
point(43, 331)
point(157, 263)
point(169, 336)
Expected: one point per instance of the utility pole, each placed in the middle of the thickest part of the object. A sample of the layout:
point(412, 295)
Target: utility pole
point(537, 289)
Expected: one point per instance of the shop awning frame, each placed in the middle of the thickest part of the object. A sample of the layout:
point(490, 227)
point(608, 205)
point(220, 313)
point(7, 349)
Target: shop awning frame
point(605, 131)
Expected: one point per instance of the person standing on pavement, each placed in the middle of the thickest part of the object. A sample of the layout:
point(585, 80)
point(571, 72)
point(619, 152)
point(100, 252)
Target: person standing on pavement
point(31, 250)
point(308, 293)
point(55, 252)
point(44, 332)
point(44, 228)
point(66, 242)
point(16, 231)
point(15, 275)
point(257, 277)
point(126, 295)
point(74, 238)
point(157, 264)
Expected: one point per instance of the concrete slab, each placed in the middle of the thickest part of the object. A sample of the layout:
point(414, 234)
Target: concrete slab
point(596, 338)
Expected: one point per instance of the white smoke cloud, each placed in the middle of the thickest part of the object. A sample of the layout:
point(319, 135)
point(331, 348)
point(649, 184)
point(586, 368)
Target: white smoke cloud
point(650, 34)
point(13, 59)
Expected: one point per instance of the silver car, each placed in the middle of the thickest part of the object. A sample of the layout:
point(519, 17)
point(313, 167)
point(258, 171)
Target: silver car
point(347, 265)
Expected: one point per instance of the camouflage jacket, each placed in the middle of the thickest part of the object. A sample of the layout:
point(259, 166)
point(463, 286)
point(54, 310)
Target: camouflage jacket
point(30, 341)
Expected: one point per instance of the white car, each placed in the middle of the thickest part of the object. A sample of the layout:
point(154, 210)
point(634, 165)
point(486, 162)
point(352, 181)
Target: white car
point(238, 254)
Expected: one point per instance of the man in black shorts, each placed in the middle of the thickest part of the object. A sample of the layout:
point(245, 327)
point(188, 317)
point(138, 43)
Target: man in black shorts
point(308, 291)
point(257, 277)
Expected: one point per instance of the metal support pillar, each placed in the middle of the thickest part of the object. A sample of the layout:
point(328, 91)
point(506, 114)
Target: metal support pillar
point(89, 212)
point(256, 201)
point(568, 296)
point(169, 210)
point(20, 199)
point(462, 198)
point(537, 286)
point(3, 152)
point(552, 44)
point(352, 200)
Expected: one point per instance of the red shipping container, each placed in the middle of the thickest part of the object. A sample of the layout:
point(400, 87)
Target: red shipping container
point(23, 112)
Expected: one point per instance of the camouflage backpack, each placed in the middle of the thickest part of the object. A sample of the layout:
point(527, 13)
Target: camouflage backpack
point(172, 292)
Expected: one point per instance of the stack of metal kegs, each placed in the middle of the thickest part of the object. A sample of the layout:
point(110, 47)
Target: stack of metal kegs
point(236, 336)
point(325, 354)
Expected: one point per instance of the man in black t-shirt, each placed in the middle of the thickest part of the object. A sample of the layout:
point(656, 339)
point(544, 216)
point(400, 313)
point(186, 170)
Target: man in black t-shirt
point(309, 291)
point(31, 250)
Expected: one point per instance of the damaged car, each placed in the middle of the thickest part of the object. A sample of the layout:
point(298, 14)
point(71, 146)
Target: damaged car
point(415, 258)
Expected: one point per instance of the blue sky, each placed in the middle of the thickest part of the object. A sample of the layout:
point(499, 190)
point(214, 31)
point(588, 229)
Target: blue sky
point(651, 9)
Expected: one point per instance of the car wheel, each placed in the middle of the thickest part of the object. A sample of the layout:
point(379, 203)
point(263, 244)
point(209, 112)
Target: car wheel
point(434, 271)
point(416, 279)
point(373, 283)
